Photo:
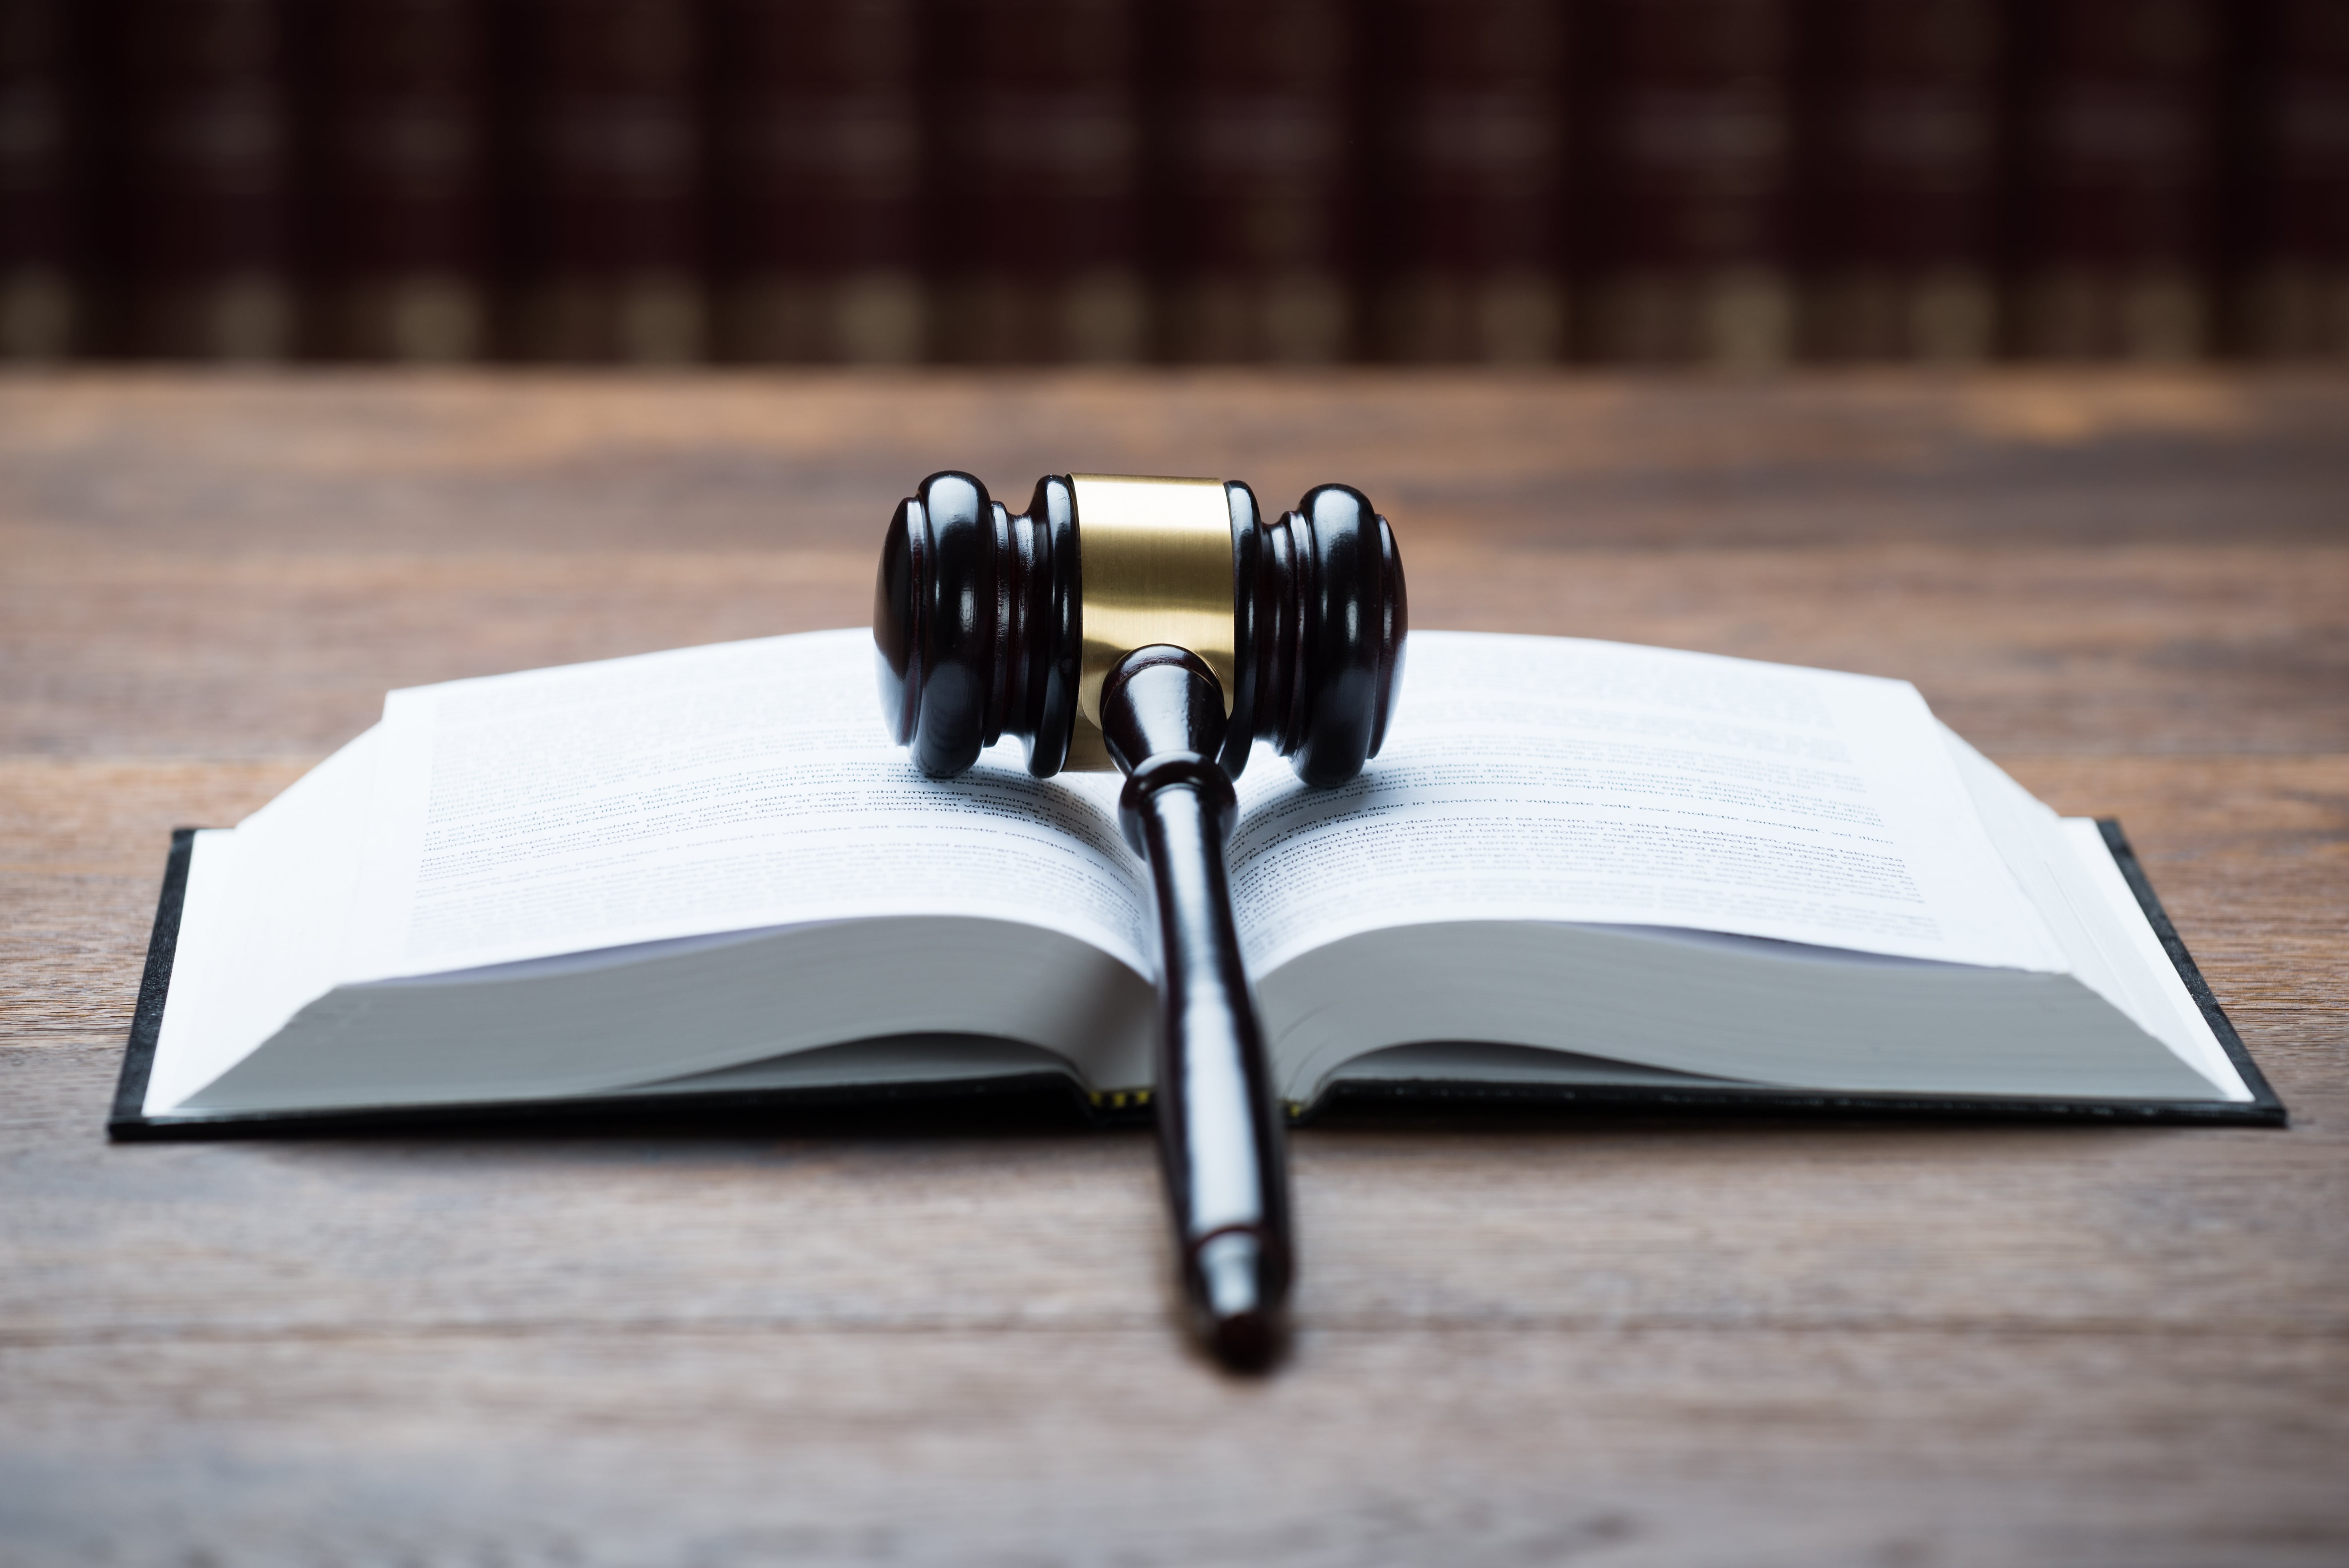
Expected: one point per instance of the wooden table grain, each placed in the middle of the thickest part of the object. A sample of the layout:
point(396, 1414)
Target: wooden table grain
point(1634, 1341)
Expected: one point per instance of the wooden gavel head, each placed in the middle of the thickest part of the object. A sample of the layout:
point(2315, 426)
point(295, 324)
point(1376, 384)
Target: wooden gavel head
point(989, 623)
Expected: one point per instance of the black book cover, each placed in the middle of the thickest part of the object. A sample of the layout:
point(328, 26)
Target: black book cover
point(1046, 1096)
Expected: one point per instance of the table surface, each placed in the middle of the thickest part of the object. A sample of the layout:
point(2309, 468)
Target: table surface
point(1616, 1341)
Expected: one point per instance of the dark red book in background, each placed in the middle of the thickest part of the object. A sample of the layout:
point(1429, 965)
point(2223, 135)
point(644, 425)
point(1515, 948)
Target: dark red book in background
point(2289, 219)
point(1686, 229)
point(2115, 157)
point(199, 179)
point(1036, 136)
point(1256, 166)
point(816, 180)
point(41, 147)
point(394, 97)
point(602, 188)
point(1900, 163)
point(1467, 110)
point(1726, 180)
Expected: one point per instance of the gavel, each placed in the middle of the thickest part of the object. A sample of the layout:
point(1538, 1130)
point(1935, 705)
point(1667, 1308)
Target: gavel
point(1170, 622)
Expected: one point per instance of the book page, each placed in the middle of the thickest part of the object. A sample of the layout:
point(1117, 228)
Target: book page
point(261, 929)
point(715, 788)
point(1560, 780)
point(2069, 874)
point(2173, 1016)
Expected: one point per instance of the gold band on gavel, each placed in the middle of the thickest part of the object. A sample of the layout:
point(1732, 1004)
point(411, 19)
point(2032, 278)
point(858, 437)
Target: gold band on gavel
point(1156, 558)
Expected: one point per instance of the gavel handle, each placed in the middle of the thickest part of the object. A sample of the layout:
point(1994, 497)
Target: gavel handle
point(1218, 1122)
point(1219, 1128)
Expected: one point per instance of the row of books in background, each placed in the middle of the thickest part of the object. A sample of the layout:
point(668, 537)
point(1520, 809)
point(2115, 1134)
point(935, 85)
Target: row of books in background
point(660, 181)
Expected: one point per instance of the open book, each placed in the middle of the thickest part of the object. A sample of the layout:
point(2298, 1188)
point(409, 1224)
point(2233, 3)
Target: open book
point(1577, 869)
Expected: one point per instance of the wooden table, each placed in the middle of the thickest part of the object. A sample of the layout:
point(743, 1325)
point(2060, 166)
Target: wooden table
point(1611, 1341)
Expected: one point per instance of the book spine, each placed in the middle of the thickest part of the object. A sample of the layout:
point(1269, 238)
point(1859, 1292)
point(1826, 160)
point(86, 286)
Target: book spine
point(41, 233)
point(396, 174)
point(1256, 152)
point(201, 179)
point(1898, 239)
point(1468, 99)
point(817, 192)
point(603, 252)
point(2115, 157)
point(1691, 166)
point(2289, 273)
point(1037, 250)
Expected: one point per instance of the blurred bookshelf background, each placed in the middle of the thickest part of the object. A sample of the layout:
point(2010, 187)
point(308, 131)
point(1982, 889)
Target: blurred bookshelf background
point(1731, 182)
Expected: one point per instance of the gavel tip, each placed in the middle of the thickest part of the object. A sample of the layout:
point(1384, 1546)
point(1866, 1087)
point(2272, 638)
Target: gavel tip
point(1245, 1342)
point(1240, 1304)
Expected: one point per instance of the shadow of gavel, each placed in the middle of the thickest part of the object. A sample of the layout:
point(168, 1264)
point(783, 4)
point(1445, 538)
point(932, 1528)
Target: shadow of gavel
point(1168, 622)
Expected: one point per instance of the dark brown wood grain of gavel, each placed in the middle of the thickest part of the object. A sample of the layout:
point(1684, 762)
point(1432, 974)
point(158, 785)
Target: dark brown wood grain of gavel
point(1168, 622)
